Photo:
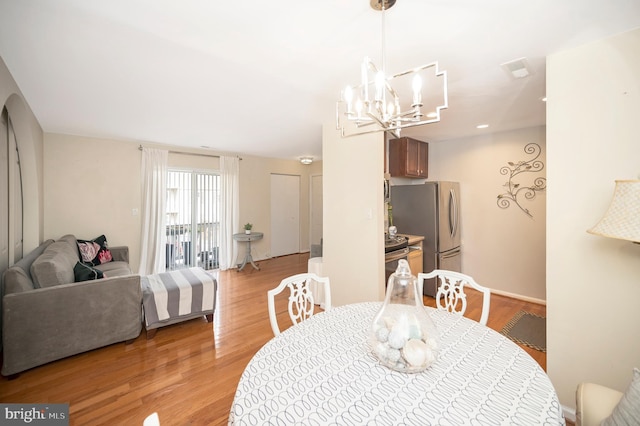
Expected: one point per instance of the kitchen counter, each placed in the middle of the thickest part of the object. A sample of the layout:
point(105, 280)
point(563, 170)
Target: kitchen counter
point(413, 239)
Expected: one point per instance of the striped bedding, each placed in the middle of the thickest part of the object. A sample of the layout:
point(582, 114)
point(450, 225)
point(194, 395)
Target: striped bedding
point(174, 294)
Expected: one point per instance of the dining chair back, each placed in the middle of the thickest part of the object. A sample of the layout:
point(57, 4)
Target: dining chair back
point(301, 303)
point(451, 296)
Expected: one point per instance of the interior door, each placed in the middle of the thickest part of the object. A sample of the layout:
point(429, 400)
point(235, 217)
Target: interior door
point(285, 214)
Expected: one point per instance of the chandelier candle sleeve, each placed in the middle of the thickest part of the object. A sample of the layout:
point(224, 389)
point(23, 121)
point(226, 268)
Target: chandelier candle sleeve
point(417, 87)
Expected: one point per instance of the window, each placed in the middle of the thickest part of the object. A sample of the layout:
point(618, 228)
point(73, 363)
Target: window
point(193, 219)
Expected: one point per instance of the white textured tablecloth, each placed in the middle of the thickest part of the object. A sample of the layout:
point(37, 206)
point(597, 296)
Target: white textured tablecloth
point(320, 372)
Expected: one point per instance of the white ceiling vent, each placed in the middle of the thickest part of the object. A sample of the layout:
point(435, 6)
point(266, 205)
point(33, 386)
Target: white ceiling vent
point(518, 68)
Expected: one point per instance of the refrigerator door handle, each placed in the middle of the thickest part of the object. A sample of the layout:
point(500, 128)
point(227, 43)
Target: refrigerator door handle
point(450, 254)
point(453, 213)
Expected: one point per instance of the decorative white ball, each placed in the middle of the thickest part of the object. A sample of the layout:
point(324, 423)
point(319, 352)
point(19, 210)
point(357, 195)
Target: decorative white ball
point(382, 334)
point(393, 355)
point(415, 332)
point(381, 350)
point(396, 339)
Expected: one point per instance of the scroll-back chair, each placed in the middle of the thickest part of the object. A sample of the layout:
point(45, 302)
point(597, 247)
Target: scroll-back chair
point(301, 303)
point(451, 296)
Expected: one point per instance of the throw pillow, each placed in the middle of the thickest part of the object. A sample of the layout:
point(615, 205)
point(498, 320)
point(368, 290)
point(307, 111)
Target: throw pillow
point(95, 252)
point(627, 412)
point(84, 272)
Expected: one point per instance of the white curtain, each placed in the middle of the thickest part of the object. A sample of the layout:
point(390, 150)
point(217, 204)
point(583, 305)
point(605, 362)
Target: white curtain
point(229, 216)
point(154, 195)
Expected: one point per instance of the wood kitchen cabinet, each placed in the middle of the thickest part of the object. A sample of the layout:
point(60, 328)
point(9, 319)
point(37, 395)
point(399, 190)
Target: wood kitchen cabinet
point(414, 258)
point(408, 158)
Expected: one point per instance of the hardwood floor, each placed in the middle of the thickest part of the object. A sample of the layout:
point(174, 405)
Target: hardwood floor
point(188, 372)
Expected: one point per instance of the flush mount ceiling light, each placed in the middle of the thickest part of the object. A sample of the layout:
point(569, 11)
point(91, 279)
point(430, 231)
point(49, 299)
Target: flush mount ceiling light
point(306, 160)
point(391, 103)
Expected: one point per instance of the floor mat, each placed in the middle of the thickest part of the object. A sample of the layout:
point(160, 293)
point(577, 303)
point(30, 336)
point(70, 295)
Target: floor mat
point(527, 329)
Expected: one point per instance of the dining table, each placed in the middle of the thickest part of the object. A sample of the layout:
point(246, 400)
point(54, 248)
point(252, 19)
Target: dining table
point(322, 372)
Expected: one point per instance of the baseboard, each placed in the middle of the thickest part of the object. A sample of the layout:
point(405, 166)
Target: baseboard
point(519, 297)
point(569, 413)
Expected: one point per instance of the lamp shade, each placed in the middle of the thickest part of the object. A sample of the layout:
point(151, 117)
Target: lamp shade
point(622, 219)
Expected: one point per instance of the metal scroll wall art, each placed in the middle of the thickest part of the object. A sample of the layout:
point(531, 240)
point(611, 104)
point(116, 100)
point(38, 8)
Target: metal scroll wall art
point(516, 192)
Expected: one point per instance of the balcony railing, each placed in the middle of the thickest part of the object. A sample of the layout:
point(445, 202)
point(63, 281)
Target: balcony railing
point(181, 242)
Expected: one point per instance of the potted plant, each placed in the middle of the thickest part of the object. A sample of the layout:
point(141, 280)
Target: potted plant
point(247, 228)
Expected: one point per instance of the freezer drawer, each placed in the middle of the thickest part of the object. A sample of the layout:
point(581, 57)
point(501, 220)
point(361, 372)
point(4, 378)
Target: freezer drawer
point(450, 260)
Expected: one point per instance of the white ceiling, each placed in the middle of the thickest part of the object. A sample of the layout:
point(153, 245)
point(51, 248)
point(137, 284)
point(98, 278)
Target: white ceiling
point(259, 78)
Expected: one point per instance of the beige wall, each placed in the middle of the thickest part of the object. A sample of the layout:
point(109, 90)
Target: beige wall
point(593, 283)
point(29, 136)
point(92, 186)
point(255, 198)
point(503, 249)
point(353, 251)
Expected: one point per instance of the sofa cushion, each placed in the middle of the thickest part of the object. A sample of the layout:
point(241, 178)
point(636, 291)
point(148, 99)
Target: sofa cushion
point(16, 280)
point(24, 281)
point(55, 265)
point(114, 269)
point(71, 240)
point(84, 272)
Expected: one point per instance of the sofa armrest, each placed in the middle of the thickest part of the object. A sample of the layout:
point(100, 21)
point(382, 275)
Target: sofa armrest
point(120, 253)
point(51, 323)
point(594, 403)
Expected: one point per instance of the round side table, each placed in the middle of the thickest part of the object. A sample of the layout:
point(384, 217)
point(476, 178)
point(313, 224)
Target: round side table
point(247, 238)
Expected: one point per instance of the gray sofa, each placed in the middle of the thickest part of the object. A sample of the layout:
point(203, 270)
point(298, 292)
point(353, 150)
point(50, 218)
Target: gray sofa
point(47, 316)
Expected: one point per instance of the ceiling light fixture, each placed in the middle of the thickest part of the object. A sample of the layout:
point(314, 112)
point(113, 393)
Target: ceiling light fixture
point(375, 105)
point(306, 160)
point(518, 68)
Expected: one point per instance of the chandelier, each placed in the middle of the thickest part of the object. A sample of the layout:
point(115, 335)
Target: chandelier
point(391, 103)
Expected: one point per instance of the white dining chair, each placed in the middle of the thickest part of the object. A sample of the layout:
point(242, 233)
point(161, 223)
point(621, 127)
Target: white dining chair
point(301, 303)
point(451, 296)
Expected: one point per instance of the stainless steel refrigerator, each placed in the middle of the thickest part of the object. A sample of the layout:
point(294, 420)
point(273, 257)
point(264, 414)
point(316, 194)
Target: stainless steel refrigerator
point(431, 210)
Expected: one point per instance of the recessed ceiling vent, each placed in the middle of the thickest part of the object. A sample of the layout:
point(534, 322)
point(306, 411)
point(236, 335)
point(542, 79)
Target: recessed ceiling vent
point(518, 68)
